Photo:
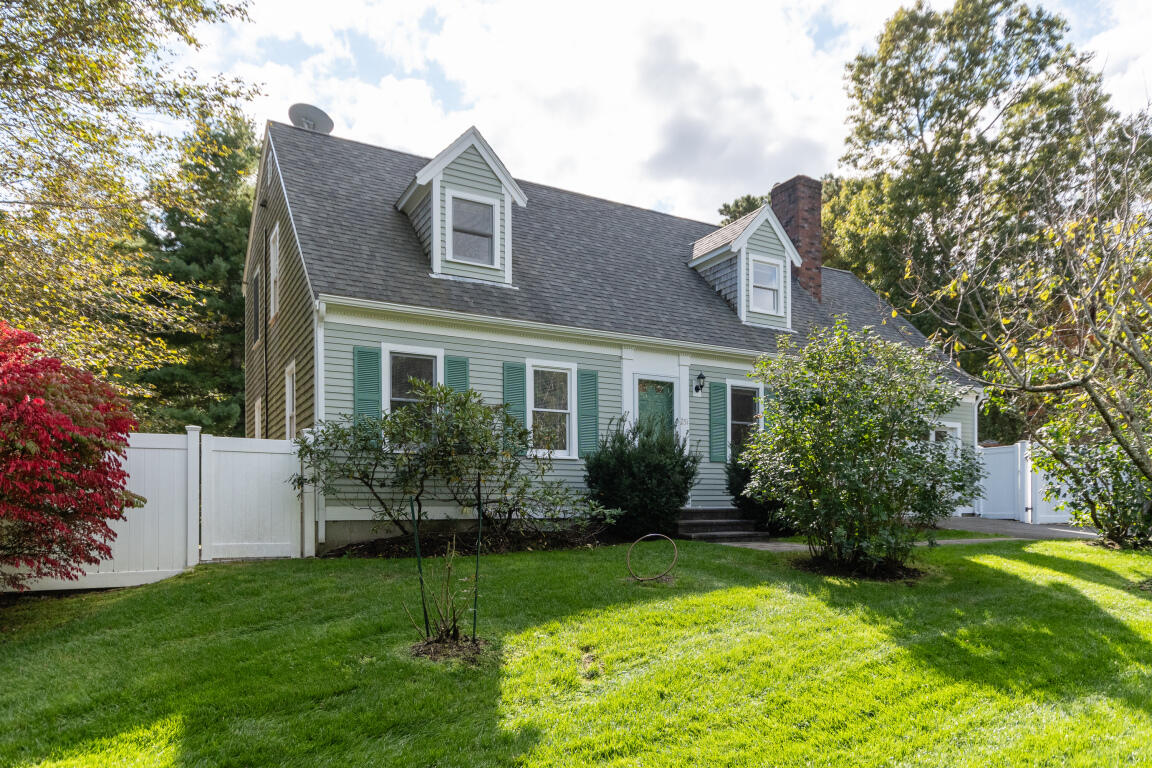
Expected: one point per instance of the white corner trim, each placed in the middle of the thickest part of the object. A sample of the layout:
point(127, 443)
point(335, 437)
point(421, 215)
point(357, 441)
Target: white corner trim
point(767, 215)
point(472, 138)
point(741, 288)
point(290, 385)
point(435, 213)
point(318, 364)
point(386, 351)
point(451, 194)
point(507, 237)
point(530, 367)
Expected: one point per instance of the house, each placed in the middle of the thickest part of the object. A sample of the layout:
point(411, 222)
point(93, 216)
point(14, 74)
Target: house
point(367, 266)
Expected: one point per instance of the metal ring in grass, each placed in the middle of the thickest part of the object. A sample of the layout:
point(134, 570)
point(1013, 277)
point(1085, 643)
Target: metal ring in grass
point(666, 571)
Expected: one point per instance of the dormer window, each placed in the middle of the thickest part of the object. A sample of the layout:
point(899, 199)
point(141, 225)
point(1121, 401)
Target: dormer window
point(767, 285)
point(472, 222)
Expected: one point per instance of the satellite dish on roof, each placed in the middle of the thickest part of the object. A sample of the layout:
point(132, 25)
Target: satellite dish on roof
point(310, 118)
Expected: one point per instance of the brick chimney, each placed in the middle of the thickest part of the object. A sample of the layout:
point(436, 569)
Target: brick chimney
point(796, 203)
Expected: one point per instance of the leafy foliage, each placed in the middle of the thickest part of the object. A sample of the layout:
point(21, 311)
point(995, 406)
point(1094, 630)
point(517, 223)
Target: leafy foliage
point(445, 448)
point(1091, 476)
point(646, 471)
point(63, 434)
point(87, 87)
point(200, 243)
point(767, 512)
point(844, 448)
point(740, 207)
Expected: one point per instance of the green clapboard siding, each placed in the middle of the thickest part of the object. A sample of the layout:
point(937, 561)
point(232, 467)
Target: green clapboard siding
point(588, 409)
point(366, 378)
point(456, 373)
point(718, 421)
point(515, 390)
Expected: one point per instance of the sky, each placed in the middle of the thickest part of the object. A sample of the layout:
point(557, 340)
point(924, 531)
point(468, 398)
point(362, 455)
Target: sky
point(677, 106)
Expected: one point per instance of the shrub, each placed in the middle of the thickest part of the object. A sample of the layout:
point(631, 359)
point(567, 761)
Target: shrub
point(434, 452)
point(767, 512)
point(644, 470)
point(63, 434)
point(844, 446)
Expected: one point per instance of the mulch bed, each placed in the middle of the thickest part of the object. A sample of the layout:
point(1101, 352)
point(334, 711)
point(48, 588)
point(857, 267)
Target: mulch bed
point(435, 544)
point(829, 568)
point(462, 650)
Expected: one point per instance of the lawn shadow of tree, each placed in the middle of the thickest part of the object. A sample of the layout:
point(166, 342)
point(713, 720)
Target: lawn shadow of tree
point(301, 663)
point(1042, 638)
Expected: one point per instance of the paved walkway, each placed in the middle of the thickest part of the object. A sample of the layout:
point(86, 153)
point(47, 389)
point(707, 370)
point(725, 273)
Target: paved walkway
point(1005, 530)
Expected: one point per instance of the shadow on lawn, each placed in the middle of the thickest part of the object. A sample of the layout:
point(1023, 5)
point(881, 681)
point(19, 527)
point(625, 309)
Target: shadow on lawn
point(300, 663)
point(1020, 637)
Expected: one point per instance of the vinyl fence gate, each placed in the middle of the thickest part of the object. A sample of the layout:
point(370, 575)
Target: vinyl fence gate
point(208, 498)
point(1013, 489)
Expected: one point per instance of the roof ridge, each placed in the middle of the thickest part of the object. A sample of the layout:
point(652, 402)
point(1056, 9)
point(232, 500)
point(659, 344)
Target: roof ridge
point(520, 180)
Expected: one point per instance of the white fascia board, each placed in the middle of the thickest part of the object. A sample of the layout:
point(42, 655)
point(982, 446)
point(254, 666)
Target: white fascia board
point(766, 215)
point(265, 154)
point(409, 195)
point(714, 255)
point(538, 327)
point(471, 138)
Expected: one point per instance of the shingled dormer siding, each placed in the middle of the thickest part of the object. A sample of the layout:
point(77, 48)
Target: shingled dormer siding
point(470, 175)
point(422, 222)
point(724, 276)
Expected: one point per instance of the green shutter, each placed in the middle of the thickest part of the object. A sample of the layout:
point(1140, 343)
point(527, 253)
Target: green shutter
point(366, 382)
point(588, 410)
point(456, 373)
point(718, 421)
point(515, 391)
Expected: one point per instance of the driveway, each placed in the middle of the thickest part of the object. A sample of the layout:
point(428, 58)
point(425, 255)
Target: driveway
point(1016, 529)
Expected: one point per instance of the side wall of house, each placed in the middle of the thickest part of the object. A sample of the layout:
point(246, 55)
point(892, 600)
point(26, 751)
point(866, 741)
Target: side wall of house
point(469, 173)
point(724, 276)
point(286, 337)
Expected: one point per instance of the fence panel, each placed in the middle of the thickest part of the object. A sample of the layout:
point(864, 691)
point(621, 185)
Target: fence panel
point(151, 541)
point(1002, 495)
point(248, 508)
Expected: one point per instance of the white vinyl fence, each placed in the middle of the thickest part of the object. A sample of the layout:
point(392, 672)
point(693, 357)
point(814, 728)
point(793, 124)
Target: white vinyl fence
point(208, 498)
point(1013, 489)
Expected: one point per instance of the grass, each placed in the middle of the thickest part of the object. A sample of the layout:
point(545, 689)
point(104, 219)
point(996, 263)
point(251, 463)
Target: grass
point(1013, 653)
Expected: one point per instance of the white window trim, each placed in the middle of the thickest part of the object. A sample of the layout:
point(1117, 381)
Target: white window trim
point(258, 298)
point(784, 288)
point(949, 425)
point(289, 387)
point(740, 384)
point(274, 272)
point(530, 367)
point(386, 351)
point(258, 418)
point(452, 194)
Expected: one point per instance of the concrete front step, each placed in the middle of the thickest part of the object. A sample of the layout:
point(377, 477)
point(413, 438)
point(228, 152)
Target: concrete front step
point(708, 514)
point(704, 526)
point(728, 536)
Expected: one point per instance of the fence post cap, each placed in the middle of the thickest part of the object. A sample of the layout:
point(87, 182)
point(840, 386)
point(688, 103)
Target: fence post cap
point(191, 429)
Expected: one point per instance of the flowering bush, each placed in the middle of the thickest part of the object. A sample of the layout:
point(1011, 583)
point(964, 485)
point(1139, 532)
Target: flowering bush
point(63, 434)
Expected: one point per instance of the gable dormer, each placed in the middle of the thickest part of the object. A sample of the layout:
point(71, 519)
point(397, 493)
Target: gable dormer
point(461, 206)
point(748, 263)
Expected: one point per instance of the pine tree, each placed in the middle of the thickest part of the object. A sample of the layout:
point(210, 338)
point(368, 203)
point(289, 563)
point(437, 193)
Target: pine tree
point(202, 245)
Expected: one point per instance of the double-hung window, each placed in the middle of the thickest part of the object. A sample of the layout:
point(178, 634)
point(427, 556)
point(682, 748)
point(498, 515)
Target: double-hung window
point(767, 286)
point(404, 368)
point(550, 390)
point(743, 415)
point(274, 272)
point(473, 228)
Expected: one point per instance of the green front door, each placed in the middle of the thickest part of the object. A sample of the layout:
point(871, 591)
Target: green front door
point(655, 400)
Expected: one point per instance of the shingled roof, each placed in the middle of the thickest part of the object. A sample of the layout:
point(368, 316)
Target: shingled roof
point(577, 261)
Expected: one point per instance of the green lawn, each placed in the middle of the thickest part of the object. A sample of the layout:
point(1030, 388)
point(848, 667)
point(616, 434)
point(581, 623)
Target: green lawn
point(939, 534)
point(1014, 653)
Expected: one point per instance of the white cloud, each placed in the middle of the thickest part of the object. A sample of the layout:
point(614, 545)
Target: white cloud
point(680, 105)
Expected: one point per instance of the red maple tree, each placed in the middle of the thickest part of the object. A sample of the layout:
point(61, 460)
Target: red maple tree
point(63, 438)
